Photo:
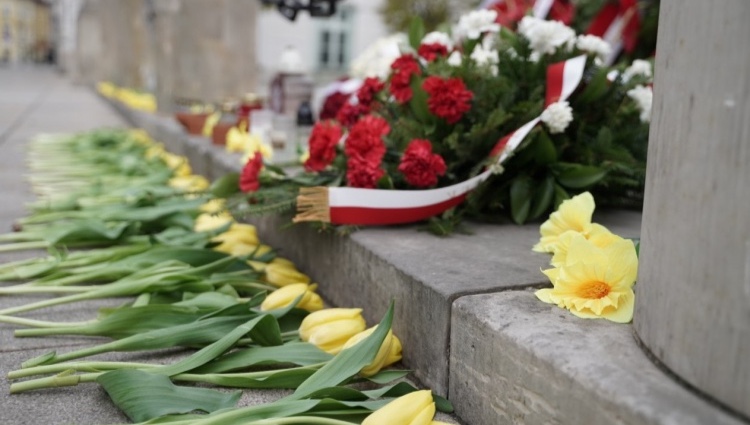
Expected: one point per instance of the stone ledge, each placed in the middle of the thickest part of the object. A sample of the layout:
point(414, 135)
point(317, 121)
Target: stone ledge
point(517, 360)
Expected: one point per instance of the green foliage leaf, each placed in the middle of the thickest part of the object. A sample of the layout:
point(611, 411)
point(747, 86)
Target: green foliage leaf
point(418, 102)
point(520, 198)
point(543, 195)
point(143, 396)
point(576, 176)
point(596, 88)
point(226, 186)
point(416, 32)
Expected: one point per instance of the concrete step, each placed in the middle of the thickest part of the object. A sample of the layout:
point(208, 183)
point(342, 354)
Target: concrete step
point(471, 327)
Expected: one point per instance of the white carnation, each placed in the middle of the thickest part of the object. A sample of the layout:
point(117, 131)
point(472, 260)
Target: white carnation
point(482, 56)
point(376, 59)
point(545, 36)
point(643, 97)
point(594, 45)
point(557, 116)
point(638, 67)
point(455, 59)
point(476, 22)
point(437, 37)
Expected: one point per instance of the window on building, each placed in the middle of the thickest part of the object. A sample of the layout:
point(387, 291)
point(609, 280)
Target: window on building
point(335, 39)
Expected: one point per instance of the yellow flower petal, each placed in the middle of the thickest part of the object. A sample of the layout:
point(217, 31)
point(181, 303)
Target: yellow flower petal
point(573, 214)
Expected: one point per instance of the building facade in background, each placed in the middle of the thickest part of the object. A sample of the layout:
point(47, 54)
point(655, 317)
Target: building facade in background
point(25, 31)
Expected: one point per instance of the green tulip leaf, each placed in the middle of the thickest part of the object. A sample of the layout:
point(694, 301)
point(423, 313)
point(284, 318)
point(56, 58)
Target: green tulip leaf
point(348, 362)
point(296, 353)
point(143, 396)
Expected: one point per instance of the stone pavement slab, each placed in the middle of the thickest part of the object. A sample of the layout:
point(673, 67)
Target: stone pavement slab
point(514, 358)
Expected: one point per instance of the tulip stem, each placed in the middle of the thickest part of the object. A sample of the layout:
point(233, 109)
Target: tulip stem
point(312, 420)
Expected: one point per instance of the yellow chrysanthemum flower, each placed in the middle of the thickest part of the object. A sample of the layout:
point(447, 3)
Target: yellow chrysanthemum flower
point(598, 235)
point(595, 282)
point(573, 214)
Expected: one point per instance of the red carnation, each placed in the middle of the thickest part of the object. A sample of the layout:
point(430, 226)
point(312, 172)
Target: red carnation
point(360, 173)
point(371, 87)
point(449, 99)
point(332, 105)
point(403, 68)
point(432, 51)
point(349, 114)
point(322, 144)
point(420, 166)
point(365, 140)
point(249, 177)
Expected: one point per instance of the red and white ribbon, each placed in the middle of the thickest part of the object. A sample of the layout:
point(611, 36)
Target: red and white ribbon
point(355, 206)
point(618, 24)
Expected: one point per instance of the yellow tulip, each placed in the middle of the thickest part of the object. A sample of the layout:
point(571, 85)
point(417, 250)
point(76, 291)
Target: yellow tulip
point(179, 164)
point(389, 352)
point(214, 206)
point(279, 274)
point(192, 183)
point(416, 408)
point(239, 232)
point(595, 282)
point(260, 266)
point(573, 214)
point(330, 329)
point(283, 297)
point(141, 136)
point(207, 222)
point(211, 121)
point(106, 89)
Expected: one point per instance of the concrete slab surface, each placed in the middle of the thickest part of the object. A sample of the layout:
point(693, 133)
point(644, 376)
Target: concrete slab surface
point(515, 359)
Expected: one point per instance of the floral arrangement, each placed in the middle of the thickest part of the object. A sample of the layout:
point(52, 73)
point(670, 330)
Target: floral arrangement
point(444, 115)
point(593, 270)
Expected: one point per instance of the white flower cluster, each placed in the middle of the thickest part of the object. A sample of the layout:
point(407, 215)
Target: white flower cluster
point(376, 59)
point(437, 37)
point(455, 59)
point(594, 45)
point(557, 116)
point(473, 24)
point(643, 97)
point(545, 37)
point(639, 67)
point(485, 55)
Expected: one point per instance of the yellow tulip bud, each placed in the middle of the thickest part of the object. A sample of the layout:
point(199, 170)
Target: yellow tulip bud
point(239, 232)
point(389, 352)
point(208, 222)
point(279, 274)
point(416, 408)
point(283, 297)
point(330, 329)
